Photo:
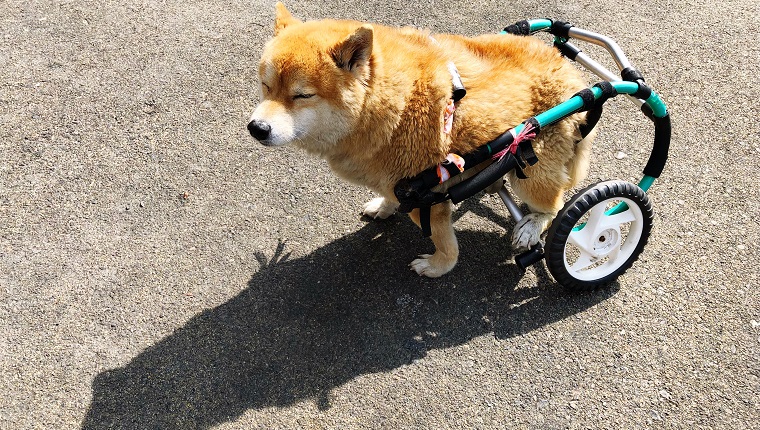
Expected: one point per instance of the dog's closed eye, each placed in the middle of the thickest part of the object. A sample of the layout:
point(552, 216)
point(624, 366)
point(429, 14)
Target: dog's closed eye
point(303, 96)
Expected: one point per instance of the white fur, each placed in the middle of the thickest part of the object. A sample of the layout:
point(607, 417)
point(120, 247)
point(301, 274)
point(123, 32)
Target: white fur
point(433, 266)
point(528, 231)
point(282, 122)
point(315, 127)
point(380, 207)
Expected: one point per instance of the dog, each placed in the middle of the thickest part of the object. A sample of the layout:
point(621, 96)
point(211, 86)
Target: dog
point(374, 102)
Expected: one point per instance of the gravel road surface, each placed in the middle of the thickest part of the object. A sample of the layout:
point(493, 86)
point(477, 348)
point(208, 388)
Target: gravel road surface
point(159, 269)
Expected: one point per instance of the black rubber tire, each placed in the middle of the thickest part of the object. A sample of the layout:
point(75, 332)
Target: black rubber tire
point(573, 211)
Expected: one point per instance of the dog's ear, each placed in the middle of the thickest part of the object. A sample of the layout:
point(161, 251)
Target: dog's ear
point(283, 18)
point(354, 52)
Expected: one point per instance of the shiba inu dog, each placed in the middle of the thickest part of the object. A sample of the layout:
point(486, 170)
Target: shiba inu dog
point(375, 103)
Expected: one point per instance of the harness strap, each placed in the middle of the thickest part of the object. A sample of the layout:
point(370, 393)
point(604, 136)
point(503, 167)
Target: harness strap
point(457, 87)
point(425, 221)
point(525, 152)
point(455, 166)
point(521, 146)
point(608, 91)
point(520, 28)
point(588, 99)
point(458, 90)
point(526, 148)
point(592, 118)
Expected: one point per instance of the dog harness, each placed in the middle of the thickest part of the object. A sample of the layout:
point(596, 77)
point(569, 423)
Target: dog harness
point(425, 190)
point(461, 176)
point(453, 162)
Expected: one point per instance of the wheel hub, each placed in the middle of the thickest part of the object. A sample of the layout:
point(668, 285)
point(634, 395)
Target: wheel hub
point(606, 241)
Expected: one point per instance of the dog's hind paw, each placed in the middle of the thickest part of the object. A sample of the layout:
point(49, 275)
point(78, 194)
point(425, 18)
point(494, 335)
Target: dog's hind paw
point(379, 207)
point(528, 231)
point(433, 266)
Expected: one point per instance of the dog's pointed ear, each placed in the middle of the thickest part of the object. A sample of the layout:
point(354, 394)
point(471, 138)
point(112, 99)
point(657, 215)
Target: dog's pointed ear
point(354, 52)
point(283, 18)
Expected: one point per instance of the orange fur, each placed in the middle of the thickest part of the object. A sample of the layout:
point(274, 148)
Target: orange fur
point(379, 96)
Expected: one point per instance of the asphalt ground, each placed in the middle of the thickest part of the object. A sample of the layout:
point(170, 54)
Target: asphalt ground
point(160, 269)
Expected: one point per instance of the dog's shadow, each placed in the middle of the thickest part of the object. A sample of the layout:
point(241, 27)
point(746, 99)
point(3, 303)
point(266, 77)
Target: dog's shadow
point(308, 325)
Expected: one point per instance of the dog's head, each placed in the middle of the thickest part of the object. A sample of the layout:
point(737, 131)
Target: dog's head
point(313, 81)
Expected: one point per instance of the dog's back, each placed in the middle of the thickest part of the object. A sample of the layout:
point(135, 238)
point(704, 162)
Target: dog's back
point(508, 79)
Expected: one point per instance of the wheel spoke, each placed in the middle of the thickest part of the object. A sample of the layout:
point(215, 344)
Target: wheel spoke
point(617, 219)
point(595, 221)
point(614, 252)
point(584, 260)
point(581, 239)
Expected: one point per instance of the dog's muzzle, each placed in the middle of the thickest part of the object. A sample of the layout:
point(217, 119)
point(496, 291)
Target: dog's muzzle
point(260, 130)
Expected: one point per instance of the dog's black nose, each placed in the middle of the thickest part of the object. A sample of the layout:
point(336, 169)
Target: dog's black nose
point(259, 129)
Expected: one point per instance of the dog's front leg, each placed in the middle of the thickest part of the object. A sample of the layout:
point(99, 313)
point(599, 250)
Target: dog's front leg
point(380, 207)
point(444, 239)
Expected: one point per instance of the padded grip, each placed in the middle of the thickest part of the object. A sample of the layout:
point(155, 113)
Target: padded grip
point(659, 155)
point(482, 180)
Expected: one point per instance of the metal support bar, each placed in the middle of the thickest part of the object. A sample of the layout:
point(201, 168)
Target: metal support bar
point(601, 71)
point(536, 252)
point(510, 203)
point(597, 39)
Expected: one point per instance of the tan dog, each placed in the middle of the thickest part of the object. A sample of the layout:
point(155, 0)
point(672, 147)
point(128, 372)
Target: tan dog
point(370, 100)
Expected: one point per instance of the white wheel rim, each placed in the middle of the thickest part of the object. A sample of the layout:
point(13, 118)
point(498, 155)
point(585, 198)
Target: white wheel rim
point(605, 242)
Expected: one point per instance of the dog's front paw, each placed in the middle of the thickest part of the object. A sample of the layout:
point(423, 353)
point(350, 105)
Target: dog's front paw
point(528, 231)
point(379, 208)
point(434, 265)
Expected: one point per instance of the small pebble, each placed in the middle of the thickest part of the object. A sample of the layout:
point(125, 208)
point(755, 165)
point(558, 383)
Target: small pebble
point(620, 155)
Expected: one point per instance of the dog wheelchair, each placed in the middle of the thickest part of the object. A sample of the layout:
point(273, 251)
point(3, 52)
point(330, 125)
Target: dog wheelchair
point(601, 230)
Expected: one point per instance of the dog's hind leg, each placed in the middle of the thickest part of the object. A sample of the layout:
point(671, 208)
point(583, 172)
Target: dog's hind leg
point(544, 199)
point(557, 171)
point(446, 247)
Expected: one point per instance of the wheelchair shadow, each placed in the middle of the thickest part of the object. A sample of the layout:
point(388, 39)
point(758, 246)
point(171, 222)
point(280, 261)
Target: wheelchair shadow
point(305, 326)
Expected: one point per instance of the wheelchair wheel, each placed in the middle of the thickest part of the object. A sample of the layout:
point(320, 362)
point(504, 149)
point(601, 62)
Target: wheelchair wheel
point(598, 235)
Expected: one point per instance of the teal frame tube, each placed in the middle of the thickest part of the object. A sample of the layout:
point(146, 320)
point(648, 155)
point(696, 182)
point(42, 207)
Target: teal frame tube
point(536, 25)
point(655, 103)
point(576, 102)
point(539, 24)
point(572, 105)
point(644, 184)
